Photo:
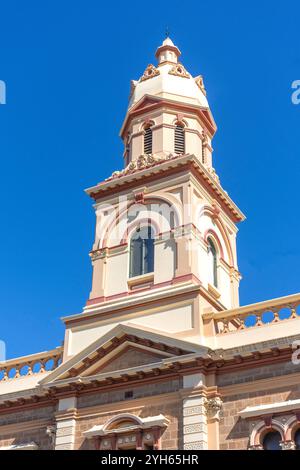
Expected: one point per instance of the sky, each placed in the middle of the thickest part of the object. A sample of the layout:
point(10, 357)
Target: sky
point(67, 67)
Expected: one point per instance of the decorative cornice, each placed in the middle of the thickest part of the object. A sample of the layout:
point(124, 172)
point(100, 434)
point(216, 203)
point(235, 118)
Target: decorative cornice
point(142, 162)
point(169, 165)
point(150, 103)
point(168, 369)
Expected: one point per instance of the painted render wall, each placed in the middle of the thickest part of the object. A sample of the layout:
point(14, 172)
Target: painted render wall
point(172, 321)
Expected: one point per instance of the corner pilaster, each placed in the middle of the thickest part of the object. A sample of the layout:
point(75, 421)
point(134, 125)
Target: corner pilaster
point(194, 413)
point(66, 424)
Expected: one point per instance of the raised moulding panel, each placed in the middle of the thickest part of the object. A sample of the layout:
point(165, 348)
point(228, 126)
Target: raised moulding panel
point(173, 321)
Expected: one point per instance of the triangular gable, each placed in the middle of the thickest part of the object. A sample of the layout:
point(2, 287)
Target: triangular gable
point(152, 347)
point(147, 101)
point(128, 357)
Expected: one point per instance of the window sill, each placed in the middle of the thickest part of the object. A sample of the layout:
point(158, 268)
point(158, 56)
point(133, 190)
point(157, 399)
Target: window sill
point(214, 291)
point(140, 282)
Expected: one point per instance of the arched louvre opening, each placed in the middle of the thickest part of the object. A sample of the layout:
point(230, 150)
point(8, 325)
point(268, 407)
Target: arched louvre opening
point(213, 263)
point(272, 441)
point(179, 139)
point(142, 251)
point(148, 140)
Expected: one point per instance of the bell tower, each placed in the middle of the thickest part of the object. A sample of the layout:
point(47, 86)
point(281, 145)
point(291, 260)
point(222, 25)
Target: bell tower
point(168, 111)
point(165, 245)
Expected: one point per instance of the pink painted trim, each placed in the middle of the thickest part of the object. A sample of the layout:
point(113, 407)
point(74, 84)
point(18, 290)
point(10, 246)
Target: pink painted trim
point(140, 222)
point(216, 238)
point(174, 281)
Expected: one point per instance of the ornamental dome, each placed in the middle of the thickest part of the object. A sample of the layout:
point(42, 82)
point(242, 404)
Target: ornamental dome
point(169, 80)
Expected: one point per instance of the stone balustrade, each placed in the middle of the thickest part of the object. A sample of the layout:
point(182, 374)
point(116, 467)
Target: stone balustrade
point(29, 365)
point(255, 315)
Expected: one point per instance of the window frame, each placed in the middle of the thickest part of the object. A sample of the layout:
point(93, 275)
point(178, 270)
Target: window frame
point(179, 147)
point(213, 248)
point(144, 269)
point(148, 129)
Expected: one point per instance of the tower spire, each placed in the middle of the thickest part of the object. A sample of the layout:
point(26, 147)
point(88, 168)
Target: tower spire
point(167, 52)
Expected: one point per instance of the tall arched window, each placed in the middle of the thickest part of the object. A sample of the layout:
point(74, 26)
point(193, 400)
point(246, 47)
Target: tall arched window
point(142, 251)
point(179, 139)
point(213, 263)
point(272, 441)
point(148, 140)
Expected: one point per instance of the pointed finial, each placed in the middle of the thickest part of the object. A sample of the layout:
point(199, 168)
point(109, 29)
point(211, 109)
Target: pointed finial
point(167, 32)
point(167, 52)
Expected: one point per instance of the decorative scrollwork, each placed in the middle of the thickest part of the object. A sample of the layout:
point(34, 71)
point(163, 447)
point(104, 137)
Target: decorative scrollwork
point(213, 407)
point(179, 71)
point(142, 162)
point(150, 72)
point(200, 84)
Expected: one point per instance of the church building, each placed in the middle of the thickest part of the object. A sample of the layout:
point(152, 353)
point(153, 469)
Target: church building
point(162, 355)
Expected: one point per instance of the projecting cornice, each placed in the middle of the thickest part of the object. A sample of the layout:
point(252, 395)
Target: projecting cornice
point(159, 168)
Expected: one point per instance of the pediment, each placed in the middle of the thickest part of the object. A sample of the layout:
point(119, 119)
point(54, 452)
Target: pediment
point(123, 350)
point(148, 101)
point(128, 357)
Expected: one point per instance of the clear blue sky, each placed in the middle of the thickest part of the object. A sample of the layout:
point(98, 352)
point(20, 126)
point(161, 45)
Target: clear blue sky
point(67, 66)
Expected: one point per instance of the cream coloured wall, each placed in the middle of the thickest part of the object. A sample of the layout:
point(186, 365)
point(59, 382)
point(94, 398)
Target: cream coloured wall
point(190, 202)
point(164, 260)
point(171, 321)
point(117, 269)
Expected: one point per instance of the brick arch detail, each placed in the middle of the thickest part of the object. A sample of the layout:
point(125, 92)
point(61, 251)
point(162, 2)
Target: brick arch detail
point(124, 211)
point(261, 429)
point(209, 210)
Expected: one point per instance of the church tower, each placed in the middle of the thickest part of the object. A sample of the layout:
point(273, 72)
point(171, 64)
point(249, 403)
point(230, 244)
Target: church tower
point(165, 246)
point(162, 357)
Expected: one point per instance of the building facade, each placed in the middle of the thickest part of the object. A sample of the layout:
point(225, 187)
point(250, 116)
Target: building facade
point(162, 356)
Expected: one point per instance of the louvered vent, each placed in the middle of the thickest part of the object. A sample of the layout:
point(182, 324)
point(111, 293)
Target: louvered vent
point(179, 145)
point(148, 140)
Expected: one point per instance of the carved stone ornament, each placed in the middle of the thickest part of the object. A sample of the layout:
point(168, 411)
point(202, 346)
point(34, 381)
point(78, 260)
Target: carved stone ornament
point(179, 71)
point(287, 445)
point(213, 407)
point(142, 162)
point(200, 84)
point(51, 432)
point(150, 72)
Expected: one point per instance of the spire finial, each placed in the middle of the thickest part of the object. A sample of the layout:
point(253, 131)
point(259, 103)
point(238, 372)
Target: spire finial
point(167, 52)
point(167, 32)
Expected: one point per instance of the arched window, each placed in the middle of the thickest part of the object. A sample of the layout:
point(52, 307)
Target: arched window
point(213, 263)
point(148, 140)
point(272, 441)
point(179, 139)
point(142, 251)
point(297, 439)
